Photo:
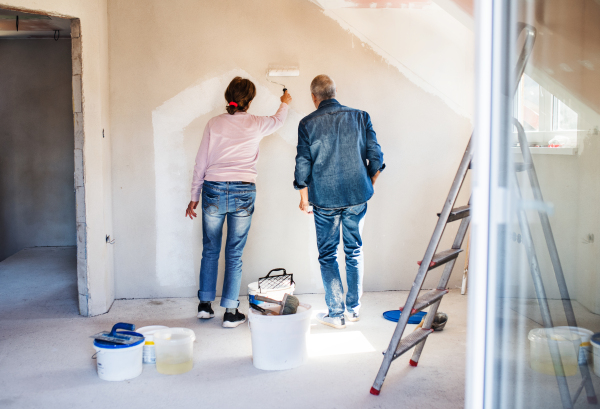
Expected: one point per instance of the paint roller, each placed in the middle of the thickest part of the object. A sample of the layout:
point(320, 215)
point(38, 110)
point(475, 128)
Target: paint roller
point(289, 304)
point(282, 71)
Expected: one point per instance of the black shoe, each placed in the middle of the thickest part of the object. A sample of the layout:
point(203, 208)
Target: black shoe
point(204, 310)
point(233, 320)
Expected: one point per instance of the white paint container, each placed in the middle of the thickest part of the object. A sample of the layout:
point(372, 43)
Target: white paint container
point(596, 345)
point(174, 350)
point(279, 342)
point(149, 355)
point(119, 362)
point(276, 295)
point(568, 343)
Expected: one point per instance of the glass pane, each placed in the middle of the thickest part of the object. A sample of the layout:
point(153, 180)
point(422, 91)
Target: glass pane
point(565, 119)
point(545, 280)
point(530, 114)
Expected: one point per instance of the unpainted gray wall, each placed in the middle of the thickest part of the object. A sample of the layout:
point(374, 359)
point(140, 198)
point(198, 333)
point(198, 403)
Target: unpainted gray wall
point(37, 202)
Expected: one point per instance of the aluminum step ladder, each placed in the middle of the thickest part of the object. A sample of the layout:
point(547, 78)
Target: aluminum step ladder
point(431, 260)
point(528, 167)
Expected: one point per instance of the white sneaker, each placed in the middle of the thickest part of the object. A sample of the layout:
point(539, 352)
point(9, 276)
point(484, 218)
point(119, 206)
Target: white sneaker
point(353, 316)
point(337, 322)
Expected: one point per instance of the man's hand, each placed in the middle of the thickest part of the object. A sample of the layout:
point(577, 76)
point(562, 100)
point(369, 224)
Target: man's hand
point(286, 97)
point(374, 178)
point(304, 205)
point(190, 210)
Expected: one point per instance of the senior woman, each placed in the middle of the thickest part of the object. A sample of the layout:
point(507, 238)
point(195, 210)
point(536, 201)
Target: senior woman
point(225, 176)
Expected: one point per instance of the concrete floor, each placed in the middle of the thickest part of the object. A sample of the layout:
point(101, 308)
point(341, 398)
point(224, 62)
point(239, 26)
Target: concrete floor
point(45, 352)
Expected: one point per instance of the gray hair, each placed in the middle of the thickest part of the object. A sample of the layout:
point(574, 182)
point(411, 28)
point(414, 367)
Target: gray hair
point(323, 87)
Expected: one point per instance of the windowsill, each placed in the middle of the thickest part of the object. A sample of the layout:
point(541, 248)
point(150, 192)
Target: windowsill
point(548, 151)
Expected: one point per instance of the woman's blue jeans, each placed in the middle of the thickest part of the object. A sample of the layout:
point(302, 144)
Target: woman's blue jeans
point(234, 200)
point(328, 222)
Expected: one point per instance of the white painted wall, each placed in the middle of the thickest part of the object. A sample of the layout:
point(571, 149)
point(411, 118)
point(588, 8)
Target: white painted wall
point(428, 45)
point(167, 81)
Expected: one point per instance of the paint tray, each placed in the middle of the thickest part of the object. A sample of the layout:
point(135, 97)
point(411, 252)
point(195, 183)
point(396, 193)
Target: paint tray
point(113, 337)
point(276, 282)
point(394, 315)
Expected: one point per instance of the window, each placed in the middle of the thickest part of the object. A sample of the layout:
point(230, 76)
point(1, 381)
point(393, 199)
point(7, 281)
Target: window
point(548, 121)
point(563, 117)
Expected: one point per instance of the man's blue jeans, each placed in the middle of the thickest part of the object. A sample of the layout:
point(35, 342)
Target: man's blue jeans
point(234, 200)
point(327, 223)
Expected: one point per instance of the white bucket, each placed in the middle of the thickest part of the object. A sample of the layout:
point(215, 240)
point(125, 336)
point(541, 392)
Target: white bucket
point(568, 343)
point(273, 294)
point(119, 363)
point(585, 348)
point(280, 342)
point(596, 345)
point(174, 350)
point(149, 355)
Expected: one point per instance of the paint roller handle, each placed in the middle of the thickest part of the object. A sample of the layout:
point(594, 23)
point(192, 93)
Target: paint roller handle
point(286, 97)
point(266, 299)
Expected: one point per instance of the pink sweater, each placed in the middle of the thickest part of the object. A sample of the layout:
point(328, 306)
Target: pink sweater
point(229, 148)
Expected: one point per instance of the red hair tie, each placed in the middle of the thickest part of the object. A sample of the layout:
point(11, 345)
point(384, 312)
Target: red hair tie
point(233, 104)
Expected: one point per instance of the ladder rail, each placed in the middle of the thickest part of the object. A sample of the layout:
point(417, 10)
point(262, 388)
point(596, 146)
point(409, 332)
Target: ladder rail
point(458, 242)
point(530, 36)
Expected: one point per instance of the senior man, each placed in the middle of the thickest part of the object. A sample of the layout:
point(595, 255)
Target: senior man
point(337, 163)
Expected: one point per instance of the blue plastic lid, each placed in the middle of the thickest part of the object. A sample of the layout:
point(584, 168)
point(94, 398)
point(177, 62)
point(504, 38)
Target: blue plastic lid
point(394, 315)
point(110, 345)
point(596, 338)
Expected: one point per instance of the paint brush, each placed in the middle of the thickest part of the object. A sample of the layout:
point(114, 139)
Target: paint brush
point(289, 304)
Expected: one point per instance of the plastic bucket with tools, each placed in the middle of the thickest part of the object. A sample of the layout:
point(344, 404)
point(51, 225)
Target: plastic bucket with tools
point(119, 361)
point(279, 341)
point(272, 286)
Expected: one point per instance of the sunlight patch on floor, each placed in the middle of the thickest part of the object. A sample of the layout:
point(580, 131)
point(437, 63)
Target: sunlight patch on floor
point(338, 343)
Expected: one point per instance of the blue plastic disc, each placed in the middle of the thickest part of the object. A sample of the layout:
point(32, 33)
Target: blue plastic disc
point(394, 315)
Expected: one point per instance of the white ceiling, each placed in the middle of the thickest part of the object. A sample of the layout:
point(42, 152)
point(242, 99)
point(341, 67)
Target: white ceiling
point(32, 26)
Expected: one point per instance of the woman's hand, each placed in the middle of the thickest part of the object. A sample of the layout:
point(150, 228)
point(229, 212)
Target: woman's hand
point(286, 97)
point(190, 210)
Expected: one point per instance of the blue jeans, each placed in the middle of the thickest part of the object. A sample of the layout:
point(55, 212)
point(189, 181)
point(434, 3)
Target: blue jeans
point(234, 200)
point(327, 223)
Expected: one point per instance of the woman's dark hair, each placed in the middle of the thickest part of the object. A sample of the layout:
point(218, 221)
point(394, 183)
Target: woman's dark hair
point(241, 91)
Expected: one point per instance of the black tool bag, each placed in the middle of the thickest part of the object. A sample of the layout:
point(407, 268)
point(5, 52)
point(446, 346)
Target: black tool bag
point(275, 282)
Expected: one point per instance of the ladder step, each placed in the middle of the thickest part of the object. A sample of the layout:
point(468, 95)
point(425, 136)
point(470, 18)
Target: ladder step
point(442, 258)
point(411, 340)
point(458, 213)
point(427, 299)
point(521, 167)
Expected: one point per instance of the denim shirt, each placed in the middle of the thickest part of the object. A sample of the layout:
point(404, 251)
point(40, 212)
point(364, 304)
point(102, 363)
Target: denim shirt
point(337, 154)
